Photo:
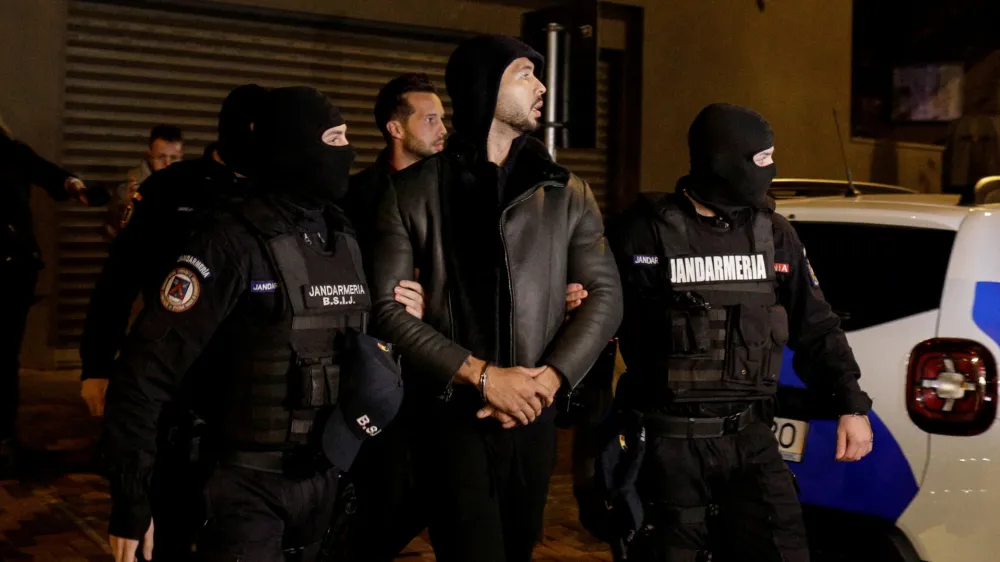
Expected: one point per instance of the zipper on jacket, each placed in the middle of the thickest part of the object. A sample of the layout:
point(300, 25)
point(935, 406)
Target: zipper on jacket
point(510, 281)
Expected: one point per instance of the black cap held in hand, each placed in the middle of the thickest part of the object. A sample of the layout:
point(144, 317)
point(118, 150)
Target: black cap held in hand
point(473, 80)
point(723, 140)
point(370, 395)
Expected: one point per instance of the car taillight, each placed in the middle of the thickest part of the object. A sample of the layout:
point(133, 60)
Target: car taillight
point(951, 386)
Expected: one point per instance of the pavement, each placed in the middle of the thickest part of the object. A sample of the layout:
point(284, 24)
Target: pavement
point(56, 508)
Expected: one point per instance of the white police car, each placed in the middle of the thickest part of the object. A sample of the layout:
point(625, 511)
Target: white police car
point(916, 281)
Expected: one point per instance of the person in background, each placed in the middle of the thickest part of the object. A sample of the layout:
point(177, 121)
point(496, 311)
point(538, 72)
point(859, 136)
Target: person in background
point(410, 116)
point(391, 508)
point(20, 262)
point(166, 147)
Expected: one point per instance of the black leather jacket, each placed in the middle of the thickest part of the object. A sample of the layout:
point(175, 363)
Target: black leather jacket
point(520, 245)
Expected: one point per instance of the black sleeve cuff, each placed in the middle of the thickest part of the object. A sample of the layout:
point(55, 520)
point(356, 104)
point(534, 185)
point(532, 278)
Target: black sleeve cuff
point(855, 402)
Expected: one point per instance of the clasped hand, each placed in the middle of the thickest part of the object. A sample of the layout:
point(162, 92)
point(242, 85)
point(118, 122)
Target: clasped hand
point(518, 394)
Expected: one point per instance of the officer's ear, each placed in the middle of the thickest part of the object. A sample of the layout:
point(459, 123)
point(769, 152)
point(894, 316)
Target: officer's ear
point(395, 129)
point(251, 126)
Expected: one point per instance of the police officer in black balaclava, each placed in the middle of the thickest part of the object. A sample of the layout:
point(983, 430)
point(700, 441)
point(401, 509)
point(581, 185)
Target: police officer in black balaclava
point(716, 284)
point(164, 214)
point(271, 300)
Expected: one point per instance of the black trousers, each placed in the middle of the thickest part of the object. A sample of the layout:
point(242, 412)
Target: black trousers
point(732, 496)
point(17, 285)
point(488, 486)
point(391, 508)
point(254, 516)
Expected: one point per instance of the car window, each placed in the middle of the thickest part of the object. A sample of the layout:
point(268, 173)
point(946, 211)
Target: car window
point(873, 274)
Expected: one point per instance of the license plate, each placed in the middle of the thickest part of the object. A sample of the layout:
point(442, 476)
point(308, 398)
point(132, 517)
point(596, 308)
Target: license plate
point(791, 436)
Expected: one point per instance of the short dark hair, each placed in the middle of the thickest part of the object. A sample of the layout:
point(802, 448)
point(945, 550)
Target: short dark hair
point(390, 103)
point(169, 133)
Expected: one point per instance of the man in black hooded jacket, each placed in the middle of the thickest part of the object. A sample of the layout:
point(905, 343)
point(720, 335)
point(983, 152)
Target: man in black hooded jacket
point(716, 284)
point(267, 298)
point(497, 230)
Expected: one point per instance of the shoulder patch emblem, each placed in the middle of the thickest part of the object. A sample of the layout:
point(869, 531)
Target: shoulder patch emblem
point(198, 265)
point(812, 274)
point(180, 291)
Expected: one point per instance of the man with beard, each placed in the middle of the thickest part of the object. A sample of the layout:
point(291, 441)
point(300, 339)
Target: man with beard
point(409, 114)
point(391, 508)
point(496, 230)
point(20, 262)
point(272, 297)
point(716, 284)
point(166, 148)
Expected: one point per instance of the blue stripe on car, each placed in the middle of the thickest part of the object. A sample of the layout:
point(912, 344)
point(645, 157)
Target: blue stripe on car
point(882, 484)
point(986, 309)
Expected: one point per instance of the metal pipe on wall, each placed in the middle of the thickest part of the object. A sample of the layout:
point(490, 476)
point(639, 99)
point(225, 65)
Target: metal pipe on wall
point(551, 85)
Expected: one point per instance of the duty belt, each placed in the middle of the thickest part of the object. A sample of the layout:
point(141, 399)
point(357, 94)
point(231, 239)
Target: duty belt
point(302, 462)
point(697, 428)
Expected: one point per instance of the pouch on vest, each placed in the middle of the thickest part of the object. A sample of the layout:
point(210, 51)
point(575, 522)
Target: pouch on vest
point(758, 335)
point(689, 325)
point(319, 381)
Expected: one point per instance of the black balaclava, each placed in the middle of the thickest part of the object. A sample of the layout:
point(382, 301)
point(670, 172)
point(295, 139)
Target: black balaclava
point(473, 81)
point(294, 160)
point(723, 141)
point(238, 113)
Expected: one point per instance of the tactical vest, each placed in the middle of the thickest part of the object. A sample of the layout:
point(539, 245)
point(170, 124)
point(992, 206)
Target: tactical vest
point(286, 370)
point(720, 315)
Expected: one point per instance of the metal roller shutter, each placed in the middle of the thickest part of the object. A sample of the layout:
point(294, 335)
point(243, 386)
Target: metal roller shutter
point(130, 68)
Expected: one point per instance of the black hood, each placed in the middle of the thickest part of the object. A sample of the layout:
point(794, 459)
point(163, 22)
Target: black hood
point(723, 141)
point(294, 160)
point(238, 113)
point(473, 81)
